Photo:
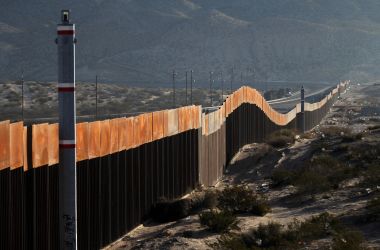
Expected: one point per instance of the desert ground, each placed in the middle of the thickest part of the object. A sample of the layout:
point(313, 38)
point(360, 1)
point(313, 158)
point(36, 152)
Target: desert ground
point(41, 99)
point(356, 111)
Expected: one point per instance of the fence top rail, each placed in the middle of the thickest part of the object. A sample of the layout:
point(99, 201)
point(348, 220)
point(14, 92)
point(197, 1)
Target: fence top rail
point(102, 137)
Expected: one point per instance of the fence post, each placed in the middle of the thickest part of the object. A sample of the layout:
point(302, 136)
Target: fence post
point(302, 110)
point(67, 118)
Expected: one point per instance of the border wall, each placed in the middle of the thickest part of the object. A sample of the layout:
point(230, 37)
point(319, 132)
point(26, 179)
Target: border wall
point(125, 165)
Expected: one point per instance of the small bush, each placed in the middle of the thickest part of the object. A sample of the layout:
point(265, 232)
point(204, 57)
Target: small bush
point(269, 235)
point(348, 240)
point(279, 141)
point(282, 177)
point(242, 199)
point(373, 208)
point(352, 137)
point(218, 221)
point(236, 199)
point(372, 176)
point(211, 199)
point(322, 174)
point(374, 127)
point(260, 207)
point(170, 210)
point(230, 242)
point(281, 138)
point(335, 131)
point(314, 228)
point(311, 183)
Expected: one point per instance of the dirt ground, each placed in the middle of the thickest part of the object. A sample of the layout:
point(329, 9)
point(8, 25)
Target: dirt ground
point(357, 109)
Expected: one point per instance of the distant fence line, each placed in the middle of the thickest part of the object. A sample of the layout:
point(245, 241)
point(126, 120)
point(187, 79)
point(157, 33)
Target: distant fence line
point(124, 165)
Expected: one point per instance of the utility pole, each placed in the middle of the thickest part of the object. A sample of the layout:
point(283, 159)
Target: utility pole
point(186, 88)
point(222, 82)
point(22, 94)
point(302, 109)
point(210, 94)
point(174, 74)
point(232, 77)
point(67, 139)
point(247, 77)
point(191, 87)
point(96, 97)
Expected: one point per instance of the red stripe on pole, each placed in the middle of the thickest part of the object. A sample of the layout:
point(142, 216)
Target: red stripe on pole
point(67, 145)
point(65, 32)
point(66, 89)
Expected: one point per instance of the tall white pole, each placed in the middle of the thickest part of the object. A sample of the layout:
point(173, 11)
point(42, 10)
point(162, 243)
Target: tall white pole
point(67, 141)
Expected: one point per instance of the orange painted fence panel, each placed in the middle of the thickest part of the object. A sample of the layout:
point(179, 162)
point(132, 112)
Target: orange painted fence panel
point(82, 141)
point(4, 145)
point(105, 136)
point(53, 140)
point(148, 128)
point(40, 147)
point(114, 138)
point(94, 139)
point(129, 128)
point(122, 132)
point(25, 149)
point(16, 152)
point(158, 125)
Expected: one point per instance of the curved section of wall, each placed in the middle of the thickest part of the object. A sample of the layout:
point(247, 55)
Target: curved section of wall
point(126, 164)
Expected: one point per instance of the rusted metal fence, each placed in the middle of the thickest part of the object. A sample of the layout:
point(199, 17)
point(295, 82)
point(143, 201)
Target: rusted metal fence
point(125, 165)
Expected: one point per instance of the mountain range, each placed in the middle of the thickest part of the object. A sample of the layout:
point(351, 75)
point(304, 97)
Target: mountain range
point(140, 42)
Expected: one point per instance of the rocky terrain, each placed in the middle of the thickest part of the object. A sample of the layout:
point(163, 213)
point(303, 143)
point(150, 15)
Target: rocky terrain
point(140, 42)
point(41, 99)
point(345, 147)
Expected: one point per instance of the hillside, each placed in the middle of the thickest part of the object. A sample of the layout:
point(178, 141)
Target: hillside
point(142, 41)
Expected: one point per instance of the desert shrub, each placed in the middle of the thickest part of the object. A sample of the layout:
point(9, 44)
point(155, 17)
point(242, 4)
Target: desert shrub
point(374, 127)
point(335, 131)
point(294, 236)
point(197, 202)
point(352, 137)
point(311, 183)
point(282, 177)
point(210, 199)
point(372, 176)
point(373, 209)
point(170, 210)
point(316, 227)
point(321, 174)
point(231, 242)
point(236, 199)
point(281, 138)
point(260, 207)
point(242, 199)
point(270, 235)
point(348, 240)
point(218, 221)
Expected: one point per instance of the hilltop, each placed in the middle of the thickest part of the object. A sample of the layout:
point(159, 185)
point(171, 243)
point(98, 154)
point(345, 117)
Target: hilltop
point(141, 41)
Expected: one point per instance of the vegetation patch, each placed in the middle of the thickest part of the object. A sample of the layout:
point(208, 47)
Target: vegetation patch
point(322, 173)
point(332, 131)
point(373, 209)
point(296, 235)
point(171, 210)
point(281, 138)
point(242, 199)
point(218, 221)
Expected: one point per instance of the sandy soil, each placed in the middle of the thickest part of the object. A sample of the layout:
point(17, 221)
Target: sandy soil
point(253, 166)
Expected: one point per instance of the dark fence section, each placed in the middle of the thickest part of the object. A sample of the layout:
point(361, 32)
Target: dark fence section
point(115, 192)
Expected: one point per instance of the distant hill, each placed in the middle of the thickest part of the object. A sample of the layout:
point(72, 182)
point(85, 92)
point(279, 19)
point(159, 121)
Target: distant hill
point(142, 41)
